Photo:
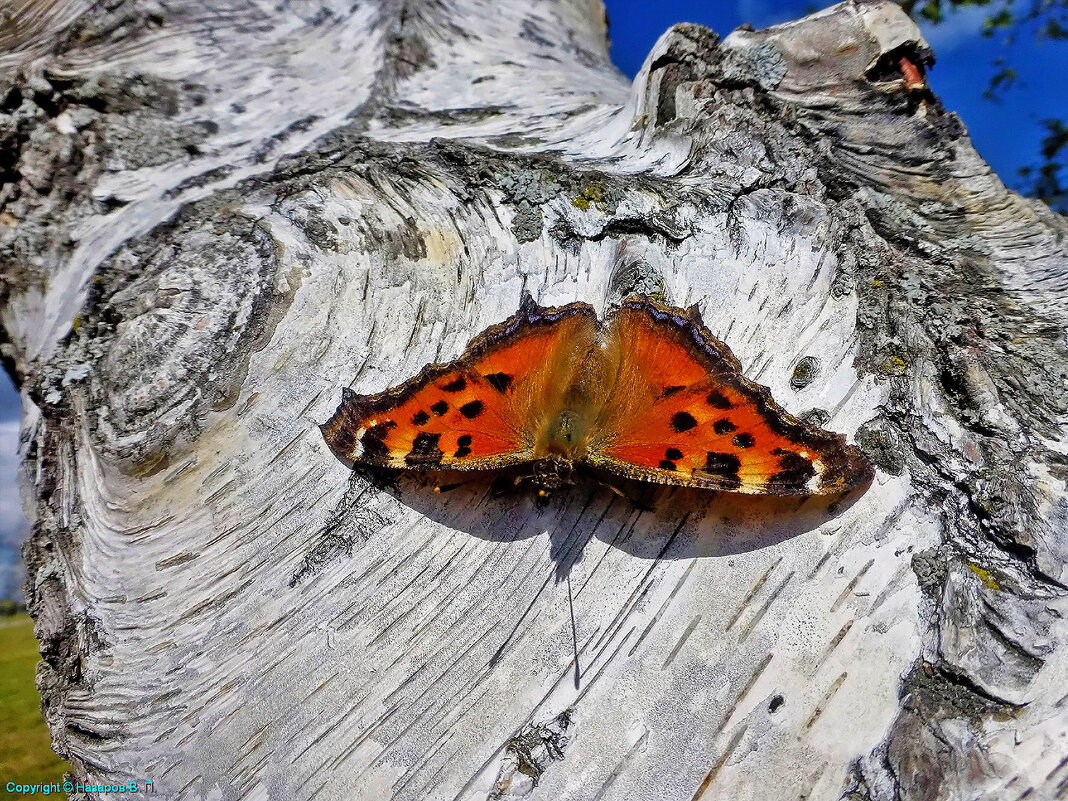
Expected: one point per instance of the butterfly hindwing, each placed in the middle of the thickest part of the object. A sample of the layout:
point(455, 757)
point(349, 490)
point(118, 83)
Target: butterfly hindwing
point(696, 421)
point(470, 414)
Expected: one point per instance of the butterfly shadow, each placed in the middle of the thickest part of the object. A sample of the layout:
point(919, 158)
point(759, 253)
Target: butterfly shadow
point(646, 521)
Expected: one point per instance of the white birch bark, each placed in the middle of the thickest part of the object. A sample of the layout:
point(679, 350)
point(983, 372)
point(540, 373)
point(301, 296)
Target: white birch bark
point(217, 216)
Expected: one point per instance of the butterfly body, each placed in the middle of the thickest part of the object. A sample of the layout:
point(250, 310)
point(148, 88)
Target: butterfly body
point(564, 437)
point(648, 394)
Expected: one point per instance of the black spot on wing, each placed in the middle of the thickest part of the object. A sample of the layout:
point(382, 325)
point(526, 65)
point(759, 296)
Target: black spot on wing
point(717, 400)
point(744, 441)
point(724, 466)
point(682, 421)
point(724, 426)
point(472, 409)
point(455, 385)
point(439, 408)
point(673, 454)
point(425, 450)
point(373, 442)
point(463, 445)
point(666, 465)
point(420, 418)
point(794, 469)
point(499, 381)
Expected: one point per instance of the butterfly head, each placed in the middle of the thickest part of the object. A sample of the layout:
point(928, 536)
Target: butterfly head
point(549, 476)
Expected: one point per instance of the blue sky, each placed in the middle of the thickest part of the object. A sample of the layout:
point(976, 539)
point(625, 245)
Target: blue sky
point(1007, 134)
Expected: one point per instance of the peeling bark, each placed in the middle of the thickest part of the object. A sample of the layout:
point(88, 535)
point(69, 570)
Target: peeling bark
point(212, 221)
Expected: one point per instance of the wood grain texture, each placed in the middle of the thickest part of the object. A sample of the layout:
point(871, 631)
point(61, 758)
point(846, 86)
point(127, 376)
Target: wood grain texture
point(217, 219)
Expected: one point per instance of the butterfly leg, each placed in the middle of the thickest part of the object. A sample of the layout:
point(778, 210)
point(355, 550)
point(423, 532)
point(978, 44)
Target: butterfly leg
point(605, 481)
point(507, 483)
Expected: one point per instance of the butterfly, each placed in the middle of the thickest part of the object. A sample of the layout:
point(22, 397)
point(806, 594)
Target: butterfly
point(647, 394)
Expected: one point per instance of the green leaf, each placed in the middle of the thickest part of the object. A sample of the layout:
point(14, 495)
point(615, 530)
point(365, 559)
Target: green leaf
point(1003, 80)
point(932, 11)
point(995, 22)
point(1053, 29)
point(1056, 138)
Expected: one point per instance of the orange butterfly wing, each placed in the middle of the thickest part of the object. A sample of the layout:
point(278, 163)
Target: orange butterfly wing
point(473, 413)
point(682, 413)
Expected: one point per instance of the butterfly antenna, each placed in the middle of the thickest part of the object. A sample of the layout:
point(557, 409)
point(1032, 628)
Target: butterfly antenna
point(439, 488)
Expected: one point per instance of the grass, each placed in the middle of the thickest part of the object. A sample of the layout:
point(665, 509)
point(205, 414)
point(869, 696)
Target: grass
point(26, 754)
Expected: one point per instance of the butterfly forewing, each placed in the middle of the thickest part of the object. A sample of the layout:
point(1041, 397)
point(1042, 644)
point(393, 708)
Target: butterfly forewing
point(471, 414)
point(718, 430)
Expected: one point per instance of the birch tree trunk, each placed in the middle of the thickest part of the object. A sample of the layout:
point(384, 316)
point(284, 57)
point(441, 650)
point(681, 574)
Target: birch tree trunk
point(216, 216)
